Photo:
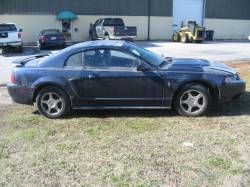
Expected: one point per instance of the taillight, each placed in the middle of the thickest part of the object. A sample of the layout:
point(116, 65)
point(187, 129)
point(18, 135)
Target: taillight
point(19, 35)
point(13, 78)
point(61, 37)
point(44, 38)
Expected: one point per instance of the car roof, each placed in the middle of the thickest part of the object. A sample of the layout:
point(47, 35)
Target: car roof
point(56, 59)
point(100, 43)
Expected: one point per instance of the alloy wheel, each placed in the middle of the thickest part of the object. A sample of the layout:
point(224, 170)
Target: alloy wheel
point(52, 104)
point(193, 101)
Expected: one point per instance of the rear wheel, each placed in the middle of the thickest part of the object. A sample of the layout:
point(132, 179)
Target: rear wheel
point(176, 37)
point(107, 37)
point(53, 102)
point(42, 46)
point(192, 100)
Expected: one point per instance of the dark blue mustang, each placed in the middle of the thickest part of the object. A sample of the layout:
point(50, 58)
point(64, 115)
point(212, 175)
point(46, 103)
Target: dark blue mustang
point(120, 75)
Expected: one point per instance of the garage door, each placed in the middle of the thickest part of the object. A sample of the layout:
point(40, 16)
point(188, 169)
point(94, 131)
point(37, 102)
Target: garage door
point(184, 10)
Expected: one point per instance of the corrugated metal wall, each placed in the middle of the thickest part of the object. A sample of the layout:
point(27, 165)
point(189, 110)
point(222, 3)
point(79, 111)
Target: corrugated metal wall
point(87, 7)
point(228, 9)
point(223, 9)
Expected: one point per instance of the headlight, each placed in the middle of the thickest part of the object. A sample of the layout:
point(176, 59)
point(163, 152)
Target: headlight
point(233, 78)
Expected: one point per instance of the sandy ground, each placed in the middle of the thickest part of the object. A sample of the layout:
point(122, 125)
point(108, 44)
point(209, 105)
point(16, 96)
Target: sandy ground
point(4, 98)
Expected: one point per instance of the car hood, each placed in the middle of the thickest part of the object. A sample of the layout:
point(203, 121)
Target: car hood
point(183, 64)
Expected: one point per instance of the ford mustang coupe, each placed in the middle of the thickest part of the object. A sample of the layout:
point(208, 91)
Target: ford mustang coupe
point(120, 75)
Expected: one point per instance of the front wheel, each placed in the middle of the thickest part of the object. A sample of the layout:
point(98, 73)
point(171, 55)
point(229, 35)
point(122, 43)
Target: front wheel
point(107, 37)
point(184, 38)
point(193, 100)
point(53, 102)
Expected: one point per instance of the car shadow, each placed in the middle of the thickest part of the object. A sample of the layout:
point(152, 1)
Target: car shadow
point(121, 113)
point(238, 107)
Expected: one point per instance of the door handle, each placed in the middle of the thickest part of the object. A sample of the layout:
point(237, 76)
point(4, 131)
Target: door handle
point(91, 76)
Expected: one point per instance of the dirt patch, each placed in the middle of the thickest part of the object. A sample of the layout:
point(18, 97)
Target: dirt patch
point(4, 98)
point(242, 67)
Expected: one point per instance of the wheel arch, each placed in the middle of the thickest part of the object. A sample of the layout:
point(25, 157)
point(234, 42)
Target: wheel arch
point(213, 90)
point(42, 86)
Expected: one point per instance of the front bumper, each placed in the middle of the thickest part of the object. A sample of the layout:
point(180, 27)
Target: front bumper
point(230, 91)
point(11, 44)
point(20, 95)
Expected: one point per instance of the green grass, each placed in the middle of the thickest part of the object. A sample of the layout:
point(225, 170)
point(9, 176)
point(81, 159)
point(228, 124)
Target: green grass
point(125, 148)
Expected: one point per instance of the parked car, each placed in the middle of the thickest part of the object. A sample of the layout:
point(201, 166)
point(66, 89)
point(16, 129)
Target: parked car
point(111, 29)
point(10, 36)
point(120, 75)
point(51, 38)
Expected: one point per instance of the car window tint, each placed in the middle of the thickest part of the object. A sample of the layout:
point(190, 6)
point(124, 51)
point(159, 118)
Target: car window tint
point(51, 31)
point(75, 60)
point(94, 59)
point(7, 27)
point(118, 59)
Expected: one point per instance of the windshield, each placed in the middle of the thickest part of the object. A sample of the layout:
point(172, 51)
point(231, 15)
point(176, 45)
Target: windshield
point(7, 27)
point(52, 31)
point(152, 58)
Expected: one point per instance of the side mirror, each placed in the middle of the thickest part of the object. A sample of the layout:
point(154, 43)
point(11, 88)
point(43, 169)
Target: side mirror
point(142, 68)
point(20, 30)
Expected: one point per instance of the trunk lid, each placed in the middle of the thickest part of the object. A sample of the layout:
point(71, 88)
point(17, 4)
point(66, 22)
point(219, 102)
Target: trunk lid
point(30, 61)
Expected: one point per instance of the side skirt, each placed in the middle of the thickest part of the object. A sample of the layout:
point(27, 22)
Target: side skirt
point(120, 108)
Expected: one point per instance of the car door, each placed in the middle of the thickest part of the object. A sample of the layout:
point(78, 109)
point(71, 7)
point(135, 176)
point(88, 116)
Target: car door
point(73, 67)
point(99, 31)
point(110, 79)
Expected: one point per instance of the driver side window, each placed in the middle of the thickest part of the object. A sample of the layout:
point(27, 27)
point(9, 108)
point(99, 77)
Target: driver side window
point(117, 59)
point(110, 59)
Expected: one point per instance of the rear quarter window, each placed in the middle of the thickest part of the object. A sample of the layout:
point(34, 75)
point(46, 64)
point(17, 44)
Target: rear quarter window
point(75, 61)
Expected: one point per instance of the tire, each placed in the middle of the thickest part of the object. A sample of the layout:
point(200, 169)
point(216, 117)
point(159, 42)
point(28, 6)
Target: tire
point(107, 37)
point(176, 37)
point(42, 46)
point(63, 46)
point(53, 102)
point(184, 38)
point(198, 41)
point(91, 37)
point(192, 100)
point(20, 49)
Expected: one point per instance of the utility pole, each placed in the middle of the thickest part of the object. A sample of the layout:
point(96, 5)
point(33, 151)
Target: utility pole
point(149, 18)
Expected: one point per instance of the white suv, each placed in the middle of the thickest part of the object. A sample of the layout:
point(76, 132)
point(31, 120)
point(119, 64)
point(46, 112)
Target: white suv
point(10, 36)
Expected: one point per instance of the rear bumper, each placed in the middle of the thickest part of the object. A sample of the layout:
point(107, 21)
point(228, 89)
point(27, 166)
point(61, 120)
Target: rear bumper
point(20, 95)
point(54, 43)
point(230, 91)
point(11, 44)
point(122, 37)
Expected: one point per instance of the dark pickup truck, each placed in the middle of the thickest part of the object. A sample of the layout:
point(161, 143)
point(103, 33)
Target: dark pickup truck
point(111, 29)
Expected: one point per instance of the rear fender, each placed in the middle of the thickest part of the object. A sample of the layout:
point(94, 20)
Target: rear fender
point(51, 81)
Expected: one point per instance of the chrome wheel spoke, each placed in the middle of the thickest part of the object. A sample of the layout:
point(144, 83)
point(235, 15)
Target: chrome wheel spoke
point(185, 101)
point(48, 110)
point(192, 101)
point(198, 97)
point(52, 103)
point(189, 109)
point(57, 109)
